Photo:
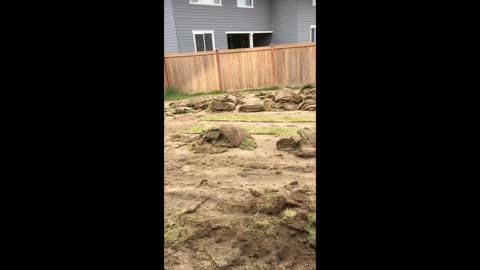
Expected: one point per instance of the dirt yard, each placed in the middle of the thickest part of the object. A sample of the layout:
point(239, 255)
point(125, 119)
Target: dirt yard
point(239, 209)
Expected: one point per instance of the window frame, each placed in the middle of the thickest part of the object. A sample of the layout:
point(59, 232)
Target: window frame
point(315, 35)
point(198, 32)
point(203, 4)
point(245, 6)
point(314, 3)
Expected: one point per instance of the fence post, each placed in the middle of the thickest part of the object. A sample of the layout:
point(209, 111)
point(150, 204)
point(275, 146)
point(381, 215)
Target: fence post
point(273, 65)
point(166, 71)
point(218, 71)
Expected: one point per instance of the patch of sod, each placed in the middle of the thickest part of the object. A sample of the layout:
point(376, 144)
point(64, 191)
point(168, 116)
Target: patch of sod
point(258, 118)
point(197, 129)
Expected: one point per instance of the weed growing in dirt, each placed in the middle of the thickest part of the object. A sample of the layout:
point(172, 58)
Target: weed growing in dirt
point(258, 118)
point(289, 213)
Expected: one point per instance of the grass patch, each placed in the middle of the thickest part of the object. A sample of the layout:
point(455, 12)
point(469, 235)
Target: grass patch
point(312, 217)
point(289, 213)
point(175, 94)
point(197, 129)
point(258, 118)
point(248, 144)
point(312, 235)
point(294, 86)
point(299, 86)
point(174, 233)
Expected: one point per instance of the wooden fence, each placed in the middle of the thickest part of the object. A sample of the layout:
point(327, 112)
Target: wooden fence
point(241, 68)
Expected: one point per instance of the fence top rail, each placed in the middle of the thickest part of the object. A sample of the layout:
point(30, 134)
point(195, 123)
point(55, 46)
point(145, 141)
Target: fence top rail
point(288, 46)
point(171, 55)
point(244, 50)
point(275, 47)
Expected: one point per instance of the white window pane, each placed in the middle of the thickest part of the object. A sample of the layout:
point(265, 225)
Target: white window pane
point(241, 3)
point(248, 3)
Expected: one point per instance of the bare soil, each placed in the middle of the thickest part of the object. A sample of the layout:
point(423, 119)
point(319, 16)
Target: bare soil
point(224, 211)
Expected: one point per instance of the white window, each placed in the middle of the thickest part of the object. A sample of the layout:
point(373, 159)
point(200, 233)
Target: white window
point(245, 3)
point(313, 33)
point(206, 2)
point(314, 2)
point(203, 41)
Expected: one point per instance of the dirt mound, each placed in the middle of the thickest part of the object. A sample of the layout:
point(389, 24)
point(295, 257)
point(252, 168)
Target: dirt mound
point(218, 140)
point(304, 147)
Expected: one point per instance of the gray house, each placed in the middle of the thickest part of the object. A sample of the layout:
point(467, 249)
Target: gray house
point(203, 25)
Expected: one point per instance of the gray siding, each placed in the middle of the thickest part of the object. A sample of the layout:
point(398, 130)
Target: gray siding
point(306, 16)
point(285, 26)
point(289, 19)
point(170, 42)
point(220, 19)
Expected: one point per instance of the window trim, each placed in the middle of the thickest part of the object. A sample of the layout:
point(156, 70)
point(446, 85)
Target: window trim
point(245, 6)
point(314, 3)
point(203, 4)
point(196, 32)
point(310, 34)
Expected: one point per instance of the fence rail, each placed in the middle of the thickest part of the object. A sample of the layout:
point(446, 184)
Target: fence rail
point(241, 68)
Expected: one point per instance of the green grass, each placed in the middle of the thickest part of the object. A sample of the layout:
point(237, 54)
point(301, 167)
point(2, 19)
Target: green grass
point(175, 94)
point(312, 235)
point(289, 213)
point(295, 86)
point(175, 233)
point(197, 129)
point(313, 200)
point(299, 85)
point(258, 118)
point(312, 217)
